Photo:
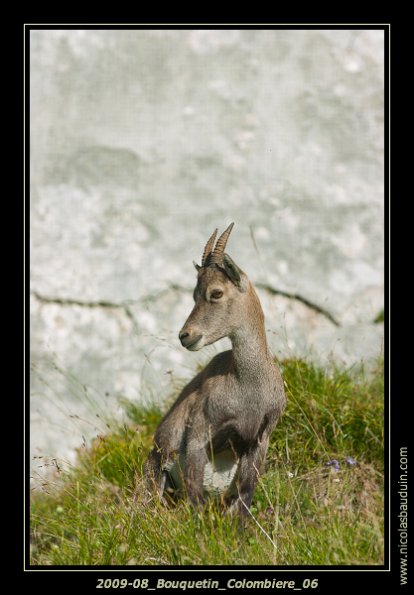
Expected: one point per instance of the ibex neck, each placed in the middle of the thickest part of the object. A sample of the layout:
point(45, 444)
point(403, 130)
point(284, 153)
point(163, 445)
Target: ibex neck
point(251, 354)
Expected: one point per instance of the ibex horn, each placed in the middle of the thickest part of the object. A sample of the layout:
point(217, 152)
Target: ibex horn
point(218, 252)
point(208, 248)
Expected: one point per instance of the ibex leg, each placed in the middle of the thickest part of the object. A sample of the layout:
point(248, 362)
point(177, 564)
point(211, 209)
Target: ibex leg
point(250, 466)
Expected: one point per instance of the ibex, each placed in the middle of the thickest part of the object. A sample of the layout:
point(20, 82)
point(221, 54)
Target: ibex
point(216, 434)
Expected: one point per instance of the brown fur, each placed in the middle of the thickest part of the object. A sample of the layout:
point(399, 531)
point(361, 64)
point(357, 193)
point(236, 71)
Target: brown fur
point(231, 405)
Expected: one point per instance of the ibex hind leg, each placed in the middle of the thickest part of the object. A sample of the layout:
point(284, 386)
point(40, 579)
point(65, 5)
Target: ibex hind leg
point(157, 475)
point(154, 476)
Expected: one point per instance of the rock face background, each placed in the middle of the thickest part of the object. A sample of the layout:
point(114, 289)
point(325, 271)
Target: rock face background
point(142, 142)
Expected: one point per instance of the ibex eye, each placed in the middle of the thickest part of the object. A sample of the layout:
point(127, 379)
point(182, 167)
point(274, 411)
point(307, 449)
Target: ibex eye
point(216, 294)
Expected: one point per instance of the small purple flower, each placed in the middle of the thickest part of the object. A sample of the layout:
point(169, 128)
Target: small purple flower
point(350, 461)
point(334, 463)
point(269, 510)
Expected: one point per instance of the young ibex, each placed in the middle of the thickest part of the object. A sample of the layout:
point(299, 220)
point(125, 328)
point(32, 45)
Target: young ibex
point(216, 434)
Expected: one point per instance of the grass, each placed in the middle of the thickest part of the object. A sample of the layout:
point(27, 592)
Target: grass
point(304, 512)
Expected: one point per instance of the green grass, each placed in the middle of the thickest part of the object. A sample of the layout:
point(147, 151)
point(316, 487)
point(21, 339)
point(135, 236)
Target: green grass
point(304, 512)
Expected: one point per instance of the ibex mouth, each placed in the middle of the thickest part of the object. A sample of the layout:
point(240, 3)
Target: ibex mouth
point(192, 346)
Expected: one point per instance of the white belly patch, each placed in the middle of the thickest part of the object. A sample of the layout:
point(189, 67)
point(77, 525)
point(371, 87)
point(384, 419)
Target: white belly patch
point(219, 472)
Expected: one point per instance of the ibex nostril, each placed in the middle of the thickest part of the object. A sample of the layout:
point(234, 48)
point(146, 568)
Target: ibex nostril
point(182, 335)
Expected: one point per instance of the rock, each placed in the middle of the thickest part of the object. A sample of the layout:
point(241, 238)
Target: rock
point(142, 143)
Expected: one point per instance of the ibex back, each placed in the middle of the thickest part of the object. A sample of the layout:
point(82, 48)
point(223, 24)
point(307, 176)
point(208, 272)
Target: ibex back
point(216, 434)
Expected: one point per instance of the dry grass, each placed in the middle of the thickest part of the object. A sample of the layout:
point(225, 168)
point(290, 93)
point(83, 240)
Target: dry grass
point(305, 511)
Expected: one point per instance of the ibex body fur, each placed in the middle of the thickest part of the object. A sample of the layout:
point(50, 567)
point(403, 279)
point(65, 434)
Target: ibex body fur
point(216, 434)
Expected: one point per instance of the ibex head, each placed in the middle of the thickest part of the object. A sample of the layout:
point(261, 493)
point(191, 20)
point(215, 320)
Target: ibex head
point(221, 296)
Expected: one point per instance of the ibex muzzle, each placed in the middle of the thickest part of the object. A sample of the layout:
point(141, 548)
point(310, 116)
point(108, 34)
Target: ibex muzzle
point(190, 340)
point(216, 434)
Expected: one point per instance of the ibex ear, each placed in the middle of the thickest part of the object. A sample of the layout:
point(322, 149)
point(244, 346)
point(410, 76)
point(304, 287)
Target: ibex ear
point(234, 273)
point(196, 266)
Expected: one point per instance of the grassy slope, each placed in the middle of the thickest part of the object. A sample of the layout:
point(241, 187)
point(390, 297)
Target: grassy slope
point(304, 511)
